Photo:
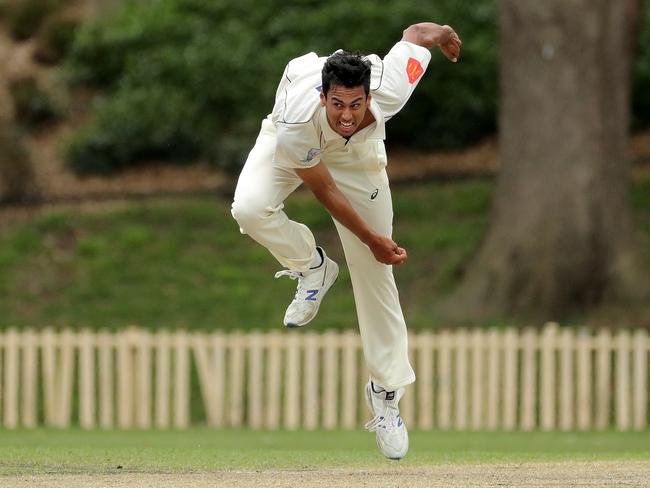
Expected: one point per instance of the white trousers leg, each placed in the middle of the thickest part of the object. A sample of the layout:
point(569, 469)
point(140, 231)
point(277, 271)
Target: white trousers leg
point(381, 322)
point(257, 207)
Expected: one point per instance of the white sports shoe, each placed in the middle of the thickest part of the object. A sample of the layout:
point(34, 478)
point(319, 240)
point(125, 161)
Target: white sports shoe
point(312, 286)
point(389, 428)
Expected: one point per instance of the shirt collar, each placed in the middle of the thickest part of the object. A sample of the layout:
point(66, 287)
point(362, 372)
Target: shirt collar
point(376, 130)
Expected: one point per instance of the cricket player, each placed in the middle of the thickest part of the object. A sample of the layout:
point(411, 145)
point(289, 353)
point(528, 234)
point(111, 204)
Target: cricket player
point(327, 130)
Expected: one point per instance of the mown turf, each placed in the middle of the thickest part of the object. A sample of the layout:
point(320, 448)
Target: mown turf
point(74, 451)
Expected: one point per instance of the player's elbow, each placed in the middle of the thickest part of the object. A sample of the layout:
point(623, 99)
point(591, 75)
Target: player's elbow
point(418, 34)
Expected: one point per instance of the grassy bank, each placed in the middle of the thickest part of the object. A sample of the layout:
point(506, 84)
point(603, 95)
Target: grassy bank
point(182, 262)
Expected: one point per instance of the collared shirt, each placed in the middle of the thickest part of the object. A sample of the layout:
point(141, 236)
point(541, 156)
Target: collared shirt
point(304, 136)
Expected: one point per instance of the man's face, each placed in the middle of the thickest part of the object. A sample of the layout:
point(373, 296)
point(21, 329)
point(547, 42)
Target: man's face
point(345, 108)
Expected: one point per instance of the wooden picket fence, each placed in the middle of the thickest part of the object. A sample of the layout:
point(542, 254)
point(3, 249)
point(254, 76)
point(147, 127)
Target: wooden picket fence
point(550, 379)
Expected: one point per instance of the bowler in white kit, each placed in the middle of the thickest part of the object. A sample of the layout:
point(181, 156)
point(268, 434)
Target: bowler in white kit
point(327, 130)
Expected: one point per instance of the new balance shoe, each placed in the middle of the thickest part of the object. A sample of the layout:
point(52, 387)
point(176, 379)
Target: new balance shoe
point(312, 287)
point(388, 426)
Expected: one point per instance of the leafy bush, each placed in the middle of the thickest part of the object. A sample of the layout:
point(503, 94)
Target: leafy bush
point(55, 39)
point(207, 73)
point(32, 105)
point(26, 16)
point(641, 75)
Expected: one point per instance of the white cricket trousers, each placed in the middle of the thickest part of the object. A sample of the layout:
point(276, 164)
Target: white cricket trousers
point(361, 176)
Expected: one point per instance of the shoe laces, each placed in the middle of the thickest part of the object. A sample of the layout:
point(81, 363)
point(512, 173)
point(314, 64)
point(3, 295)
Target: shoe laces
point(294, 275)
point(388, 420)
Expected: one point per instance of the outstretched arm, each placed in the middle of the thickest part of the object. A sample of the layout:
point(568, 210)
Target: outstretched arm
point(320, 182)
point(430, 35)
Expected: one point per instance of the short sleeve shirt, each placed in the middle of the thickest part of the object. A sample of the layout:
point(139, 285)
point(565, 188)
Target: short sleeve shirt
point(303, 133)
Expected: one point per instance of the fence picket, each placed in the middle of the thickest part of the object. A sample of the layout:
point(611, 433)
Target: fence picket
point(86, 380)
point(255, 381)
point(143, 344)
point(478, 370)
point(493, 379)
point(622, 397)
point(11, 379)
point(566, 380)
point(640, 391)
point(106, 388)
point(547, 376)
point(583, 377)
point(460, 400)
point(29, 378)
point(292, 383)
point(444, 380)
point(330, 379)
point(125, 401)
point(603, 378)
point(67, 347)
point(425, 380)
point(163, 379)
point(181, 416)
point(528, 380)
point(509, 400)
point(349, 390)
point(311, 382)
point(273, 375)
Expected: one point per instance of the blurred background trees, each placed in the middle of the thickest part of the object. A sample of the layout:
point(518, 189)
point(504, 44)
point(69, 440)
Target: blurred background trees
point(118, 87)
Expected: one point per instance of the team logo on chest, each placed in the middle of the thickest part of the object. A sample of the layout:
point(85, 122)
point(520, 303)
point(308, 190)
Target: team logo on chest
point(414, 70)
point(314, 152)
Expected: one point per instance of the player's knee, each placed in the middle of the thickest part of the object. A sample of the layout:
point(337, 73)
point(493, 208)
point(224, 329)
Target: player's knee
point(248, 213)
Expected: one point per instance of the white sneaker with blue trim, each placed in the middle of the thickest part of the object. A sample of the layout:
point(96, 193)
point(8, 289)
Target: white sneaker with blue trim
point(387, 424)
point(312, 287)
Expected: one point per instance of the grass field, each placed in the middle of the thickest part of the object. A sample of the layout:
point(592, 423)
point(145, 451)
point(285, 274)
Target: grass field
point(47, 451)
point(183, 263)
point(240, 458)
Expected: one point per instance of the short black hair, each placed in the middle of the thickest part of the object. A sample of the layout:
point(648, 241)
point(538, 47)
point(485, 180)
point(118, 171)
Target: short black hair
point(346, 69)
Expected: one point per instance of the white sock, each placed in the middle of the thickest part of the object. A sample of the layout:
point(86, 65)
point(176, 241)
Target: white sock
point(318, 259)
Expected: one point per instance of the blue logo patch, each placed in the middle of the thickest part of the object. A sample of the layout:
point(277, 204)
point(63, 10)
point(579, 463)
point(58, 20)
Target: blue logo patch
point(314, 152)
point(319, 88)
point(311, 295)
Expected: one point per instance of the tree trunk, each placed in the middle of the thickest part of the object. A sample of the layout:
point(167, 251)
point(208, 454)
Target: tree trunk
point(560, 239)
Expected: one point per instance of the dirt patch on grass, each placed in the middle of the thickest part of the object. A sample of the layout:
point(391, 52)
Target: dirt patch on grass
point(569, 474)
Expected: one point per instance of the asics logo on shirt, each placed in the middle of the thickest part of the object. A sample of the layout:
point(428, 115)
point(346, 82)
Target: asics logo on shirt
point(374, 194)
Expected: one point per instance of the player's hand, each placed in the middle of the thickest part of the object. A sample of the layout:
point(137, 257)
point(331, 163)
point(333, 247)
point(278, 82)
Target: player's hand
point(386, 251)
point(449, 43)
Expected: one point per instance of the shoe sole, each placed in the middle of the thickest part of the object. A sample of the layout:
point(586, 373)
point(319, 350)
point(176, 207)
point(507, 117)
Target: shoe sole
point(326, 287)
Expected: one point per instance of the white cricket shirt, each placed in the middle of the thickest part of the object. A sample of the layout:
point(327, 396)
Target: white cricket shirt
point(304, 136)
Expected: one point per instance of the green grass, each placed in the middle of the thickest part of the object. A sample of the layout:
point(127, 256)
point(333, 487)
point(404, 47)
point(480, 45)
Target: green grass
point(183, 263)
point(45, 451)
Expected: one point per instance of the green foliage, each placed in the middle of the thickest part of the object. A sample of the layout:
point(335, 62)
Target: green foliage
point(211, 70)
point(641, 74)
point(55, 39)
point(33, 106)
point(183, 262)
point(26, 16)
